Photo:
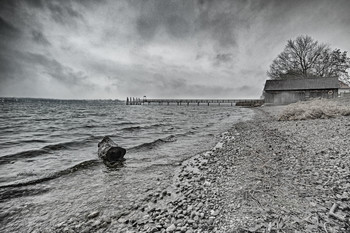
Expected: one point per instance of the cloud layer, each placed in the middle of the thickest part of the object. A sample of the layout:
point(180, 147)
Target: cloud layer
point(157, 48)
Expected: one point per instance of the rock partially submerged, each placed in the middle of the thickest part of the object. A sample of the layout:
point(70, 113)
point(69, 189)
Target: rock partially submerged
point(110, 152)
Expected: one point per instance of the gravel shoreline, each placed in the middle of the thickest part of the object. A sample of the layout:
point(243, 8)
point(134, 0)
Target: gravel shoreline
point(285, 176)
point(263, 176)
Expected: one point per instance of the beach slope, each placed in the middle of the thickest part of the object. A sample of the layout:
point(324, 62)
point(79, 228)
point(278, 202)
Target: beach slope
point(285, 176)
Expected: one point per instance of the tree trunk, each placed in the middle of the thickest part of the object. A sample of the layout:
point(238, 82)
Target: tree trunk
point(109, 151)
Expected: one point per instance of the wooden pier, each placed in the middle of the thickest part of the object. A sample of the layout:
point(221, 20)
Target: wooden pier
point(237, 102)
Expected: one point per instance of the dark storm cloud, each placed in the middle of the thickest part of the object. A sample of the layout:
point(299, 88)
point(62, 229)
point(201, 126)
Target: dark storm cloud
point(55, 69)
point(223, 58)
point(7, 29)
point(220, 20)
point(37, 62)
point(168, 15)
point(36, 3)
point(8, 67)
point(177, 26)
point(63, 12)
point(147, 27)
point(160, 85)
point(40, 76)
point(217, 20)
point(194, 48)
point(40, 38)
point(60, 11)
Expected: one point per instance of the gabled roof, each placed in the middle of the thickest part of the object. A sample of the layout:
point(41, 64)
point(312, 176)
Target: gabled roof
point(343, 85)
point(301, 84)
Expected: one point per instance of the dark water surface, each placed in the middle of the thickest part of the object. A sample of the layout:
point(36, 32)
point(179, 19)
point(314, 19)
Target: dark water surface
point(49, 170)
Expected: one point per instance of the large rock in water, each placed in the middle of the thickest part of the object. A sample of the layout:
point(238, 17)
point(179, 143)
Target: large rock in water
point(110, 152)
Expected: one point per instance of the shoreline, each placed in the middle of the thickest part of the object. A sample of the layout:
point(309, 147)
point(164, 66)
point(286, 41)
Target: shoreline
point(263, 175)
point(184, 205)
point(97, 198)
point(285, 176)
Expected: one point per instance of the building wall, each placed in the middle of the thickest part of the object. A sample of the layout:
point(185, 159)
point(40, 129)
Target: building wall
point(286, 97)
point(344, 91)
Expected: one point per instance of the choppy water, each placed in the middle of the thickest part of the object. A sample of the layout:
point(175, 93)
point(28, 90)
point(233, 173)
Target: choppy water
point(49, 170)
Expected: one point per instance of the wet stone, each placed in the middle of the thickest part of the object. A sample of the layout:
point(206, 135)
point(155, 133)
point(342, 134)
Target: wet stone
point(93, 214)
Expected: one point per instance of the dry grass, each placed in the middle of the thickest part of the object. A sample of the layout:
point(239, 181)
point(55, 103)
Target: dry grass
point(314, 109)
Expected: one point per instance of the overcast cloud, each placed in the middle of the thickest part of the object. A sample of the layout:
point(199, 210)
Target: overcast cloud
point(158, 48)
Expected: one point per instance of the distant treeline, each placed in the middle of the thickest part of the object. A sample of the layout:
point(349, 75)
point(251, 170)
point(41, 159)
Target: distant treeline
point(44, 100)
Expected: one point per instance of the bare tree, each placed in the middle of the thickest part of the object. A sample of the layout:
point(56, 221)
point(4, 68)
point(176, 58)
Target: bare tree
point(305, 57)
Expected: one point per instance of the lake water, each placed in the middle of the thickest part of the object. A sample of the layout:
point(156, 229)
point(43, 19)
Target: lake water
point(49, 168)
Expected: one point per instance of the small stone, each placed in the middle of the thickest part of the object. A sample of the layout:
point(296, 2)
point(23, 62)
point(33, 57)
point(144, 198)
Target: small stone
point(211, 220)
point(60, 225)
point(103, 225)
point(345, 196)
point(189, 208)
point(190, 221)
point(107, 220)
point(193, 213)
point(171, 228)
point(122, 220)
point(96, 223)
point(199, 205)
point(313, 204)
point(214, 213)
point(183, 229)
point(85, 230)
point(207, 183)
point(93, 214)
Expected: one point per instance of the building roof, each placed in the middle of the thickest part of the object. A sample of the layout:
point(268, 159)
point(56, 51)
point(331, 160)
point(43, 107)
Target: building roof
point(343, 85)
point(301, 84)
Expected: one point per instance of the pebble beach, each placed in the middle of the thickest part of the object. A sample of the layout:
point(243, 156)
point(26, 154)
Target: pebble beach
point(264, 175)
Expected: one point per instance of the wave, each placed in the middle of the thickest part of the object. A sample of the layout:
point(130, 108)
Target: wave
point(10, 143)
point(12, 193)
point(155, 143)
point(186, 133)
point(75, 168)
point(24, 154)
point(33, 141)
point(46, 150)
point(124, 123)
point(133, 128)
point(159, 142)
point(90, 126)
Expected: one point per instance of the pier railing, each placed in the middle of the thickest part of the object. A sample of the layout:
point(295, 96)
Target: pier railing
point(238, 102)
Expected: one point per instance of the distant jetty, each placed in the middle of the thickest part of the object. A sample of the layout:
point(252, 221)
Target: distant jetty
point(236, 102)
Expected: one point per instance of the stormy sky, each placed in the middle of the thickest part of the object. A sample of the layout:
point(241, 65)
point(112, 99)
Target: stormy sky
point(159, 48)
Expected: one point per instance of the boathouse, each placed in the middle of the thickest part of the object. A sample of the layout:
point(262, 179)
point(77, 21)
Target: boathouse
point(293, 90)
